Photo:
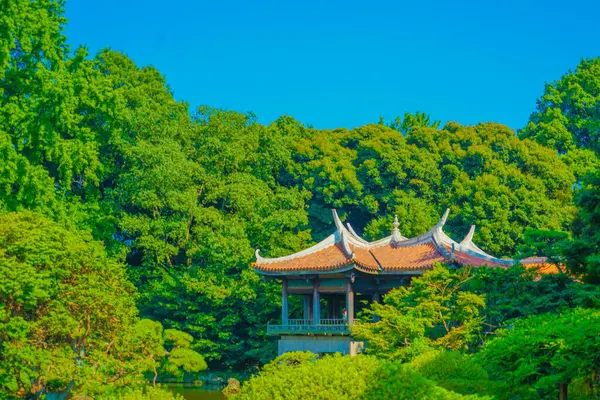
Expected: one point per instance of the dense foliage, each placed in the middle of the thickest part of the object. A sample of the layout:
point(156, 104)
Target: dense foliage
point(567, 114)
point(303, 376)
point(547, 351)
point(583, 252)
point(433, 312)
point(549, 334)
point(484, 174)
point(68, 317)
point(128, 224)
point(437, 338)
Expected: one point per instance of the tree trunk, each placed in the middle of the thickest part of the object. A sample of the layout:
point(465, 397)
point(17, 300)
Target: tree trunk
point(562, 391)
point(154, 378)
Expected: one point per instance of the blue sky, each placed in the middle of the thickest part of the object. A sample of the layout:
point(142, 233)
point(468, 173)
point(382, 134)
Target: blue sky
point(345, 63)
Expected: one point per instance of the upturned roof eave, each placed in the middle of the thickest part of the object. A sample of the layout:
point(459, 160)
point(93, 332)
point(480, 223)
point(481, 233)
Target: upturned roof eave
point(348, 241)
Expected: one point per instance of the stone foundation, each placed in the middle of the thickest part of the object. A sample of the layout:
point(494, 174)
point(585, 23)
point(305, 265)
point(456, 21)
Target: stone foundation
point(320, 344)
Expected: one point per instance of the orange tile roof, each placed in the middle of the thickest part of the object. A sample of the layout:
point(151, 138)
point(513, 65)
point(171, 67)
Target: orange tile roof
point(541, 264)
point(364, 258)
point(389, 258)
point(468, 259)
point(545, 268)
point(331, 257)
point(420, 256)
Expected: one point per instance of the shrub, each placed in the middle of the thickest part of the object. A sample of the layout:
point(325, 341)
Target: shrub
point(330, 377)
point(457, 372)
point(396, 381)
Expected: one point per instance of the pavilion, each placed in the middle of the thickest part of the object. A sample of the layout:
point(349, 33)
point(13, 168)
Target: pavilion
point(332, 274)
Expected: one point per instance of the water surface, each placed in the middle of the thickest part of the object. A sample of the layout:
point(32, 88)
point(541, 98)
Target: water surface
point(191, 392)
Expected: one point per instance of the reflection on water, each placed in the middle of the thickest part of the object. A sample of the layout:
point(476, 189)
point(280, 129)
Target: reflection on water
point(191, 392)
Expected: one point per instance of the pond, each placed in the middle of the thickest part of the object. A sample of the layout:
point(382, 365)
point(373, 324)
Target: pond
point(191, 392)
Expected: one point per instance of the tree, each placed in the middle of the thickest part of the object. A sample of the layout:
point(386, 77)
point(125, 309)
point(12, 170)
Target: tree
point(517, 292)
point(582, 254)
point(165, 353)
point(567, 115)
point(548, 244)
point(192, 213)
point(546, 352)
point(434, 311)
point(413, 121)
point(483, 173)
point(567, 118)
point(68, 319)
point(100, 146)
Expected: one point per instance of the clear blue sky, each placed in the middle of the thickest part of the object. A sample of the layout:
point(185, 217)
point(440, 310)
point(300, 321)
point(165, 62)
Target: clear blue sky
point(345, 63)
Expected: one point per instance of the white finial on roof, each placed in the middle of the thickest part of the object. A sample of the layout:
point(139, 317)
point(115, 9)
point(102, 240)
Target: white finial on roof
point(396, 236)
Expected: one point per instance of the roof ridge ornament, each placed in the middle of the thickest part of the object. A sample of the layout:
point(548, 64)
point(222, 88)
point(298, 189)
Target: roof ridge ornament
point(336, 220)
point(346, 246)
point(396, 236)
point(356, 235)
point(442, 221)
point(469, 237)
point(467, 245)
point(259, 259)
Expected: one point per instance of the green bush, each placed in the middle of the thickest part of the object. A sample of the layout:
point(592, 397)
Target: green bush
point(330, 377)
point(448, 365)
point(396, 381)
point(301, 376)
point(290, 359)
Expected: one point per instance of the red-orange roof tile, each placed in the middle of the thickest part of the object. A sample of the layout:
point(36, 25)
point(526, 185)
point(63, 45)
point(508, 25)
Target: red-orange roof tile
point(331, 257)
point(420, 256)
point(468, 259)
point(542, 268)
point(364, 259)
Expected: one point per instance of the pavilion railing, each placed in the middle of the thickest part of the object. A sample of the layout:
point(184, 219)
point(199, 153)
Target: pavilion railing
point(307, 326)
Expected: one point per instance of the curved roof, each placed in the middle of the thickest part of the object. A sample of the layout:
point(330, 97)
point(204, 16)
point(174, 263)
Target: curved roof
point(345, 249)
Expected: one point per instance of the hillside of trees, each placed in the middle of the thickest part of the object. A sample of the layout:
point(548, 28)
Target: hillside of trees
point(128, 224)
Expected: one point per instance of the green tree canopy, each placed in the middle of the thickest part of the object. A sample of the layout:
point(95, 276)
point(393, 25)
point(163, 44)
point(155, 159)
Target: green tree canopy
point(100, 146)
point(546, 351)
point(567, 115)
point(68, 317)
point(582, 254)
point(484, 174)
point(434, 311)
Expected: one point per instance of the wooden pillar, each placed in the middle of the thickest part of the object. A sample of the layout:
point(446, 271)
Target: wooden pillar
point(336, 306)
point(376, 299)
point(350, 301)
point(284, 302)
point(316, 303)
point(306, 307)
